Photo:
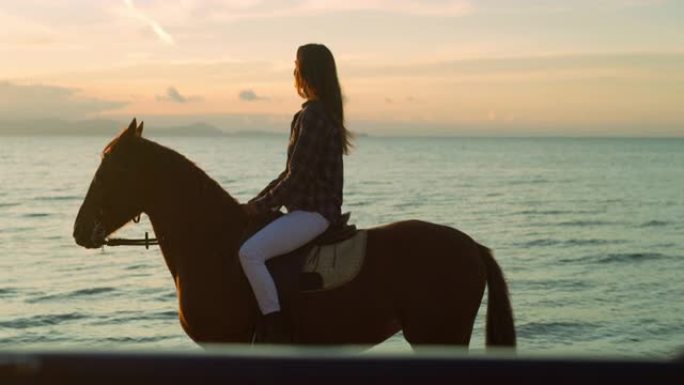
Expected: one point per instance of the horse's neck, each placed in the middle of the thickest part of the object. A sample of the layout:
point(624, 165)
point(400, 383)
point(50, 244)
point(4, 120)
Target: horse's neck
point(188, 209)
point(199, 227)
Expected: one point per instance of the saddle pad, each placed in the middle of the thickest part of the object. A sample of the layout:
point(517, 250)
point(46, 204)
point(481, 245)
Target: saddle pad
point(339, 263)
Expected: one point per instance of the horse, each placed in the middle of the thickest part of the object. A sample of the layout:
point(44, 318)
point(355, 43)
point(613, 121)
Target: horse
point(424, 279)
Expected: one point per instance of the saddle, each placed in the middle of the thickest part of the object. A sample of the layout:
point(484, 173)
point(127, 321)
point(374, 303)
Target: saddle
point(299, 270)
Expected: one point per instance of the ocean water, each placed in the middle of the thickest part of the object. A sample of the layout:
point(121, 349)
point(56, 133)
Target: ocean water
point(589, 232)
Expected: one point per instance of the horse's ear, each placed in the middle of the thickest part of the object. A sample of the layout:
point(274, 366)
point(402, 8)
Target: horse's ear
point(138, 131)
point(132, 128)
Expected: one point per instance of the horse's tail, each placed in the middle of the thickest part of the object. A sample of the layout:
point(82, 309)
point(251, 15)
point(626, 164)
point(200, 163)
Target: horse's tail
point(500, 325)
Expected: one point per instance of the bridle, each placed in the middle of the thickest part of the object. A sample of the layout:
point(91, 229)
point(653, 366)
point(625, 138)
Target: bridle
point(133, 242)
point(147, 241)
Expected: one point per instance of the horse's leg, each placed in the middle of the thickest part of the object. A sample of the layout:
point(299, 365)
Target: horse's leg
point(208, 320)
point(444, 316)
point(215, 304)
point(443, 280)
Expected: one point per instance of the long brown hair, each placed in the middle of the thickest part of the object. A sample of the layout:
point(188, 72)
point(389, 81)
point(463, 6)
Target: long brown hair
point(316, 77)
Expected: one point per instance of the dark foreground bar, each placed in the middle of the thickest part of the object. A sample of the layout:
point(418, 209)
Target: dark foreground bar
point(310, 367)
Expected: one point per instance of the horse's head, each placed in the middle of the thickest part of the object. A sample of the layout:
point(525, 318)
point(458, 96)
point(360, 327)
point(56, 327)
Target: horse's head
point(116, 193)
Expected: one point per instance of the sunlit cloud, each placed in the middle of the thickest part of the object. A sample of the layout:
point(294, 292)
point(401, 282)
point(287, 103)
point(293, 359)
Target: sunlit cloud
point(555, 6)
point(174, 96)
point(249, 96)
point(633, 3)
point(254, 9)
point(411, 7)
point(153, 24)
point(37, 101)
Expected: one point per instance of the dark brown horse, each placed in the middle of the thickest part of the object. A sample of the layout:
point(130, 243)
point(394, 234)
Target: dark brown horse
point(421, 278)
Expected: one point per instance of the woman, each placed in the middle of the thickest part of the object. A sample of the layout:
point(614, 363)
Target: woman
point(310, 187)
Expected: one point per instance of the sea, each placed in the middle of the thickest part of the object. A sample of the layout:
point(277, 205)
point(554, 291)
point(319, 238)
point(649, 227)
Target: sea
point(588, 231)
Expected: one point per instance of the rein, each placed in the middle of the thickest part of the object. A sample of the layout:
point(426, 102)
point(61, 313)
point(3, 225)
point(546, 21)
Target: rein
point(133, 242)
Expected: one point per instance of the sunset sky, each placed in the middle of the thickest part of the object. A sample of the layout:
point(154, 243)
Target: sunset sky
point(586, 67)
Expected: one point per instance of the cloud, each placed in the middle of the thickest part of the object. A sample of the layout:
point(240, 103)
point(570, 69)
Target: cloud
point(58, 14)
point(625, 3)
point(249, 96)
point(173, 95)
point(555, 6)
point(219, 10)
point(36, 101)
point(164, 36)
point(528, 67)
point(411, 7)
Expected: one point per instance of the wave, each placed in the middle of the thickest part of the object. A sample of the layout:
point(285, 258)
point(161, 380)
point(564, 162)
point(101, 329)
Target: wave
point(36, 215)
point(8, 291)
point(16, 230)
point(592, 242)
point(557, 328)
point(617, 258)
point(73, 294)
point(404, 205)
point(133, 340)
point(27, 338)
point(64, 340)
point(612, 200)
point(137, 266)
point(535, 212)
point(540, 242)
point(582, 223)
point(59, 198)
point(170, 296)
point(359, 203)
point(530, 181)
point(569, 242)
point(543, 212)
point(655, 223)
point(554, 284)
point(43, 320)
point(127, 317)
point(92, 291)
point(631, 257)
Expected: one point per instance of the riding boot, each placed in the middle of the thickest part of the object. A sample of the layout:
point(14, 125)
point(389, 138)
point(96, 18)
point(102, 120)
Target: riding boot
point(274, 329)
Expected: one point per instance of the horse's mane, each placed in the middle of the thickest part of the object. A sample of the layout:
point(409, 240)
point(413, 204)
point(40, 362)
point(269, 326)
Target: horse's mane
point(112, 143)
point(211, 217)
point(183, 168)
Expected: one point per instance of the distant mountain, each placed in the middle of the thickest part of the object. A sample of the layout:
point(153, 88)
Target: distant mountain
point(195, 129)
point(252, 133)
point(59, 127)
point(98, 127)
point(105, 127)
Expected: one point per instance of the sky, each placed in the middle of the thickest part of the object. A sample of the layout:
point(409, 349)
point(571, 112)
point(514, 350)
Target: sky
point(502, 67)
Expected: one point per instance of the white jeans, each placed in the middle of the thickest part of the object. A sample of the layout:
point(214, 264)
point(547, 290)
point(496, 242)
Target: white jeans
point(281, 236)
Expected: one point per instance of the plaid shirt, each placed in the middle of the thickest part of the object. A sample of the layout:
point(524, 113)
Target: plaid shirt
point(313, 178)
